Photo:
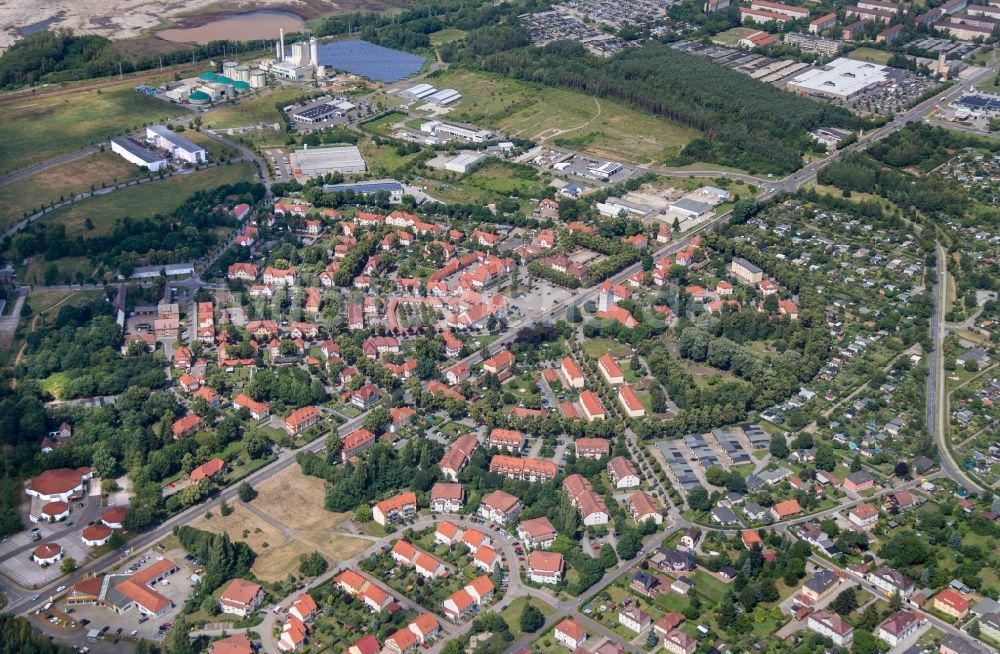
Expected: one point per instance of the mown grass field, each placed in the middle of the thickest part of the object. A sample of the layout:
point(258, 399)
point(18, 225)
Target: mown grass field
point(250, 111)
point(487, 184)
point(66, 180)
point(562, 117)
point(870, 54)
point(731, 37)
point(39, 129)
point(145, 200)
point(448, 35)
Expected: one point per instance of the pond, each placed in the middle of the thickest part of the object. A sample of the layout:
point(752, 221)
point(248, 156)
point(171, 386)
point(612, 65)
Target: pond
point(263, 24)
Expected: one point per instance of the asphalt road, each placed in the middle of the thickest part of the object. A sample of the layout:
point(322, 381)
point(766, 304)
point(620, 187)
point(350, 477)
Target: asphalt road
point(31, 170)
point(937, 394)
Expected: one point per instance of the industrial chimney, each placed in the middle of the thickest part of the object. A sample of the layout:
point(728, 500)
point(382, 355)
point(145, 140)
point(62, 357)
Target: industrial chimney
point(281, 44)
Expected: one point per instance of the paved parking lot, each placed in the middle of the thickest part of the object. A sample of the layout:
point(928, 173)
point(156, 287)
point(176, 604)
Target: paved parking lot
point(540, 300)
point(177, 587)
point(15, 554)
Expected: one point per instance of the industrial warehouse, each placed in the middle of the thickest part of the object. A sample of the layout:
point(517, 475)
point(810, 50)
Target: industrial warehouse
point(159, 146)
point(430, 94)
point(135, 152)
point(345, 159)
point(841, 79)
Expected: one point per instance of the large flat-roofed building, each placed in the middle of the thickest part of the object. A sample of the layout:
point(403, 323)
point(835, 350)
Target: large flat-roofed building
point(841, 79)
point(446, 130)
point(178, 146)
point(344, 159)
point(138, 154)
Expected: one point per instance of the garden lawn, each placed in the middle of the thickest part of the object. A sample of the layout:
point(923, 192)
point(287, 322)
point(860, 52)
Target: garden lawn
point(709, 586)
point(512, 614)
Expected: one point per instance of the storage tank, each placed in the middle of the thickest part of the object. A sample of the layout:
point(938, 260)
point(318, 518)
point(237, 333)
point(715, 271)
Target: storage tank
point(258, 79)
point(228, 67)
point(241, 74)
point(198, 97)
point(241, 87)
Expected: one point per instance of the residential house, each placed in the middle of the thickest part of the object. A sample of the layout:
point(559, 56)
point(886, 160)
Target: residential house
point(241, 598)
point(536, 533)
point(500, 507)
point(398, 507)
point(545, 567)
point(622, 473)
point(447, 497)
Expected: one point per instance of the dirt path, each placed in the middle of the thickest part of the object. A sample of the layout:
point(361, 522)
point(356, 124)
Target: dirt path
point(560, 132)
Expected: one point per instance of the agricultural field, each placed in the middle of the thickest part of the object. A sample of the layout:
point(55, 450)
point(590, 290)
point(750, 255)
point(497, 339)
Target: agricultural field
point(38, 129)
point(145, 200)
point(63, 181)
point(600, 127)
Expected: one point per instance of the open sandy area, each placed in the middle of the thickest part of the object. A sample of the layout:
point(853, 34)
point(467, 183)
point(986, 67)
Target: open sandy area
point(284, 521)
point(127, 19)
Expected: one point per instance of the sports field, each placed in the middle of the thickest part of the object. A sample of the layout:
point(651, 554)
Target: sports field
point(601, 127)
point(38, 129)
point(158, 197)
point(63, 181)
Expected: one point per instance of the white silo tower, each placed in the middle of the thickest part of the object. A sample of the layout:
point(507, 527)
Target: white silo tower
point(313, 52)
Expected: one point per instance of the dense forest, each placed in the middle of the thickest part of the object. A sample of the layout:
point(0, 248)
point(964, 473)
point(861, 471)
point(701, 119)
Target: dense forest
point(17, 637)
point(60, 55)
point(745, 123)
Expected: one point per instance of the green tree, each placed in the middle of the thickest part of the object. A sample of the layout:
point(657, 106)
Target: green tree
point(844, 603)
point(779, 446)
point(245, 492)
point(68, 565)
point(312, 565)
point(531, 619)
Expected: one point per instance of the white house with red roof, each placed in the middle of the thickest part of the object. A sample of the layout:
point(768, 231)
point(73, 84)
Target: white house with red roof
point(241, 597)
point(570, 633)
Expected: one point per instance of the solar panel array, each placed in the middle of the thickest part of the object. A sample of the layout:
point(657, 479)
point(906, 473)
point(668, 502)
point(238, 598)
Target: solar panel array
point(702, 452)
point(363, 187)
point(369, 60)
point(678, 465)
point(758, 437)
point(731, 446)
